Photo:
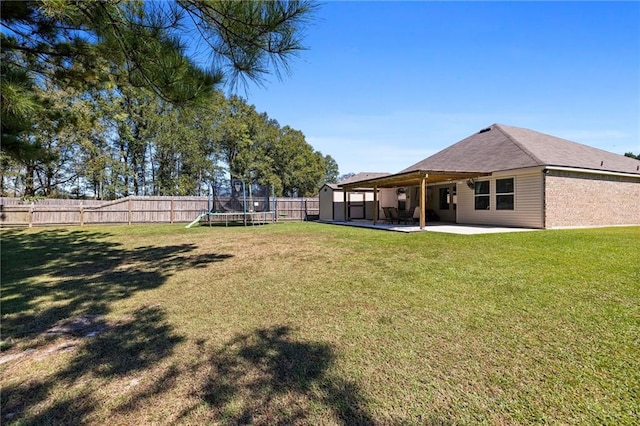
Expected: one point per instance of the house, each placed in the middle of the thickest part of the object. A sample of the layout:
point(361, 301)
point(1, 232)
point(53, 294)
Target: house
point(510, 176)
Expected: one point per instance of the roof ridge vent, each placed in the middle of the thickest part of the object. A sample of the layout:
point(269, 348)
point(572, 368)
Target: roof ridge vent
point(484, 130)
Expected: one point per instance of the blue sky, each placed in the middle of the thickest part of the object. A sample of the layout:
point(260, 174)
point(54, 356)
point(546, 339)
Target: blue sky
point(386, 84)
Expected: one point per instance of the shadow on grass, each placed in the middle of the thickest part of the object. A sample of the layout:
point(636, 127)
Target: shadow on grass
point(54, 275)
point(56, 286)
point(268, 378)
point(132, 345)
point(54, 279)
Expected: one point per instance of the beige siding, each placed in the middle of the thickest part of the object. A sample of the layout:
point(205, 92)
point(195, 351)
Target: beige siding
point(326, 203)
point(331, 204)
point(388, 198)
point(580, 199)
point(528, 210)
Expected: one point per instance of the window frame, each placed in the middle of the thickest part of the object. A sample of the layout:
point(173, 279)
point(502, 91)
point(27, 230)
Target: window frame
point(443, 202)
point(454, 196)
point(506, 195)
point(482, 195)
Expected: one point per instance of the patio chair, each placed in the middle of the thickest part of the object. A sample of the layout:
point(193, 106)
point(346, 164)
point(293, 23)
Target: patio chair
point(395, 218)
point(404, 217)
point(388, 217)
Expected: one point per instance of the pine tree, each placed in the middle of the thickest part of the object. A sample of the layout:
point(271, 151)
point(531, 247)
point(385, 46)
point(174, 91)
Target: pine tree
point(95, 43)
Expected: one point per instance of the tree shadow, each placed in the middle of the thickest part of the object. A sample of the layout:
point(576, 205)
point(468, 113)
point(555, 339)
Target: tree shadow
point(131, 345)
point(57, 281)
point(268, 378)
point(55, 274)
point(57, 285)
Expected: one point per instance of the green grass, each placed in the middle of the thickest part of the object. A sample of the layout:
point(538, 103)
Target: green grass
point(317, 324)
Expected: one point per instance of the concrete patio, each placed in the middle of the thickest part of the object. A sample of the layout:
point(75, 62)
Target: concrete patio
point(444, 227)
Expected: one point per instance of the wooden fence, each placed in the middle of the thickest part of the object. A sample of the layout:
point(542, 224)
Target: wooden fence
point(14, 212)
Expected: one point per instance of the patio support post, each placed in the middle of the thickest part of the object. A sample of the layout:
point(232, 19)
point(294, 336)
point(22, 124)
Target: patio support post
point(375, 204)
point(344, 204)
point(423, 201)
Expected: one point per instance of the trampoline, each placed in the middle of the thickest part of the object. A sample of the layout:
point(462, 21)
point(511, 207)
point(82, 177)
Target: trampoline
point(236, 202)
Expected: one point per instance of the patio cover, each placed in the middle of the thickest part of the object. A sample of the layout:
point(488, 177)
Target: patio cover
point(418, 178)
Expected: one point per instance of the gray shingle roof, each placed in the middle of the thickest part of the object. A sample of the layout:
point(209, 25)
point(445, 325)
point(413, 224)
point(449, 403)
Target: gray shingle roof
point(501, 147)
point(363, 176)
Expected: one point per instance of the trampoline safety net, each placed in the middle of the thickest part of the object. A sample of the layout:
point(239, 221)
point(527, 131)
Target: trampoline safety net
point(235, 196)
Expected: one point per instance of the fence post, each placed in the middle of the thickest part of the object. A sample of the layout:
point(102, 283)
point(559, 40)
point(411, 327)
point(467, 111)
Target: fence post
point(31, 207)
point(129, 205)
point(171, 215)
point(81, 215)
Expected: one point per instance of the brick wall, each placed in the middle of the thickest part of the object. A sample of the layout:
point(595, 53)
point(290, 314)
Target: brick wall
point(580, 199)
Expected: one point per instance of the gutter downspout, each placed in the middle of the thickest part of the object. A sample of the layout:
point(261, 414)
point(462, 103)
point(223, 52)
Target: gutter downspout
point(544, 199)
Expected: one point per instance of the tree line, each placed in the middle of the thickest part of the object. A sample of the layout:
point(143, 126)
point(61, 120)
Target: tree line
point(99, 99)
point(127, 141)
point(632, 155)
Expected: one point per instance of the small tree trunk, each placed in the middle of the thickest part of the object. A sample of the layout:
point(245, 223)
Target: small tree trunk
point(29, 188)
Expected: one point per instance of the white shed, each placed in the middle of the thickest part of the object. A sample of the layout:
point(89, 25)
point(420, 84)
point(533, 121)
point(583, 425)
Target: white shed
point(357, 203)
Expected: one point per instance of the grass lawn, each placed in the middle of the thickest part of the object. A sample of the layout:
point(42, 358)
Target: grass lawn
point(305, 323)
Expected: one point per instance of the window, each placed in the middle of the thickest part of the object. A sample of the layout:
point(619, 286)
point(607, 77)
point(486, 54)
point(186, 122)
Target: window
point(482, 195)
point(504, 194)
point(444, 198)
point(448, 198)
point(402, 198)
point(455, 197)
